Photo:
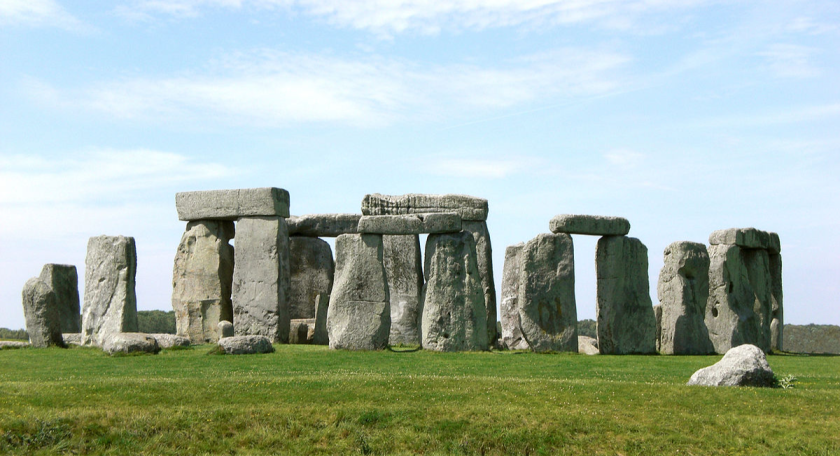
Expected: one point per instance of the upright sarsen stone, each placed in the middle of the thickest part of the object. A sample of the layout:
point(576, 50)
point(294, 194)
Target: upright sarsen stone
point(41, 313)
point(683, 290)
point(404, 269)
point(110, 301)
point(511, 332)
point(454, 317)
point(261, 283)
point(359, 313)
point(625, 319)
point(547, 310)
point(64, 281)
point(312, 272)
point(484, 252)
point(202, 280)
point(777, 321)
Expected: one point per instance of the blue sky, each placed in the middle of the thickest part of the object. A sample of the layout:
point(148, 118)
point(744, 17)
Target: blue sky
point(683, 116)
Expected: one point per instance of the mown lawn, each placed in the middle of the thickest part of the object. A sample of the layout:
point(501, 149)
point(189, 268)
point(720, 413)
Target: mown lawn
point(310, 400)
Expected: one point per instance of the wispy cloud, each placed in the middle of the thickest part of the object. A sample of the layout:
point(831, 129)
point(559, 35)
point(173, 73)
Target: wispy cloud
point(37, 13)
point(270, 88)
point(790, 60)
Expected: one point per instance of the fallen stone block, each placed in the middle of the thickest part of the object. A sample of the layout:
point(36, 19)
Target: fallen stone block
point(232, 204)
point(246, 345)
point(41, 313)
point(110, 305)
point(4, 344)
point(404, 269)
point(130, 343)
point(323, 225)
point(468, 207)
point(312, 271)
point(64, 281)
point(511, 333)
point(587, 345)
point(170, 340)
point(749, 238)
point(594, 225)
point(745, 365)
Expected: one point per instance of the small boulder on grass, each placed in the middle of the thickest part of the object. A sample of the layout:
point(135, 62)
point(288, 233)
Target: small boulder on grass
point(745, 365)
point(130, 343)
point(588, 345)
point(245, 345)
point(13, 344)
point(171, 340)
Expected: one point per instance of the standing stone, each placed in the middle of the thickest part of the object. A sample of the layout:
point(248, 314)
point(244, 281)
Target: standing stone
point(739, 308)
point(777, 321)
point(657, 313)
point(321, 335)
point(110, 301)
point(359, 314)
point(511, 333)
point(404, 269)
point(301, 331)
point(261, 284)
point(42, 317)
point(454, 317)
point(312, 270)
point(64, 282)
point(547, 310)
point(683, 290)
point(225, 329)
point(202, 279)
point(626, 323)
point(485, 270)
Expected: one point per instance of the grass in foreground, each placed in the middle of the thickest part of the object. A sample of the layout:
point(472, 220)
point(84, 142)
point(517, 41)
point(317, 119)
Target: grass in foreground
point(310, 400)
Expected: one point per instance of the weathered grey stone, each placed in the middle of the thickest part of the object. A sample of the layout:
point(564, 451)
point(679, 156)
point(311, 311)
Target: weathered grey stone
point(404, 269)
point(312, 272)
point(587, 345)
point(595, 225)
point(626, 323)
point(410, 224)
point(775, 245)
point(110, 305)
point(64, 281)
point(745, 365)
point(132, 342)
point(246, 345)
point(225, 329)
point(484, 250)
point(739, 307)
point(323, 225)
point(170, 340)
point(683, 291)
point(777, 308)
point(41, 313)
point(232, 204)
point(72, 338)
point(261, 282)
point(547, 310)
point(511, 333)
point(302, 331)
point(359, 314)
point(750, 238)
point(454, 317)
point(202, 279)
point(321, 335)
point(657, 313)
point(13, 344)
point(468, 207)
point(817, 339)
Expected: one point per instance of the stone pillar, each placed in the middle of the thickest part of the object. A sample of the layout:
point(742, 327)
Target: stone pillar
point(312, 270)
point(511, 332)
point(202, 279)
point(683, 290)
point(404, 269)
point(777, 321)
point(547, 311)
point(454, 317)
point(484, 251)
point(261, 283)
point(110, 301)
point(626, 323)
point(321, 335)
point(41, 312)
point(64, 281)
point(359, 313)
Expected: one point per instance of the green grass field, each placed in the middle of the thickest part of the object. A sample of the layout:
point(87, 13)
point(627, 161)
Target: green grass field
point(310, 400)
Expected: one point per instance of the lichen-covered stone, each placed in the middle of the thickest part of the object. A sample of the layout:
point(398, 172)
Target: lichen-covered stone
point(595, 225)
point(130, 343)
point(777, 308)
point(320, 335)
point(468, 207)
point(232, 204)
point(404, 269)
point(42, 317)
point(410, 224)
point(547, 309)
point(64, 281)
point(110, 305)
point(750, 238)
point(323, 225)
point(484, 252)
point(312, 272)
point(745, 365)
point(225, 329)
point(511, 333)
point(170, 340)
point(246, 345)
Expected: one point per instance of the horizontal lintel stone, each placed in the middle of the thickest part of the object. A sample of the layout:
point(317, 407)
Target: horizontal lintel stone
point(595, 225)
point(468, 207)
point(410, 224)
point(232, 204)
point(749, 238)
point(323, 225)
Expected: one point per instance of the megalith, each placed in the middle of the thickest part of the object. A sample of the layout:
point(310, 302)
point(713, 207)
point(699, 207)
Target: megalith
point(454, 317)
point(321, 335)
point(359, 313)
point(64, 281)
point(110, 305)
point(468, 207)
point(484, 252)
point(41, 312)
point(311, 271)
point(777, 321)
point(202, 279)
point(625, 319)
point(511, 334)
point(683, 290)
point(547, 310)
point(404, 270)
point(261, 282)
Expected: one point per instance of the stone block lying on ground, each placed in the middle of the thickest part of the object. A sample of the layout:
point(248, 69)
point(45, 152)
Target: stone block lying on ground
point(816, 339)
point(749, 238)
point(745, 365)
point(468, 207)
point(13, 344)
point(130, 343)
point(323, 225)
point(170, 340)
point(594, 225)
point(245, 345)
point(110, 305)
point(64, 281)
point(232, 204)
point(41, 313)
point(410, 224)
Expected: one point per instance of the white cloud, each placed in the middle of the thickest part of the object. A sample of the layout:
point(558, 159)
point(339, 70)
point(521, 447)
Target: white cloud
point(280, 89)
point(790, 60)
point(37, 13)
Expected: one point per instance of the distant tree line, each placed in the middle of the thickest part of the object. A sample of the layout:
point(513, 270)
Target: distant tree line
point(587, 328)
point(14, 334)
point(156, 321)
